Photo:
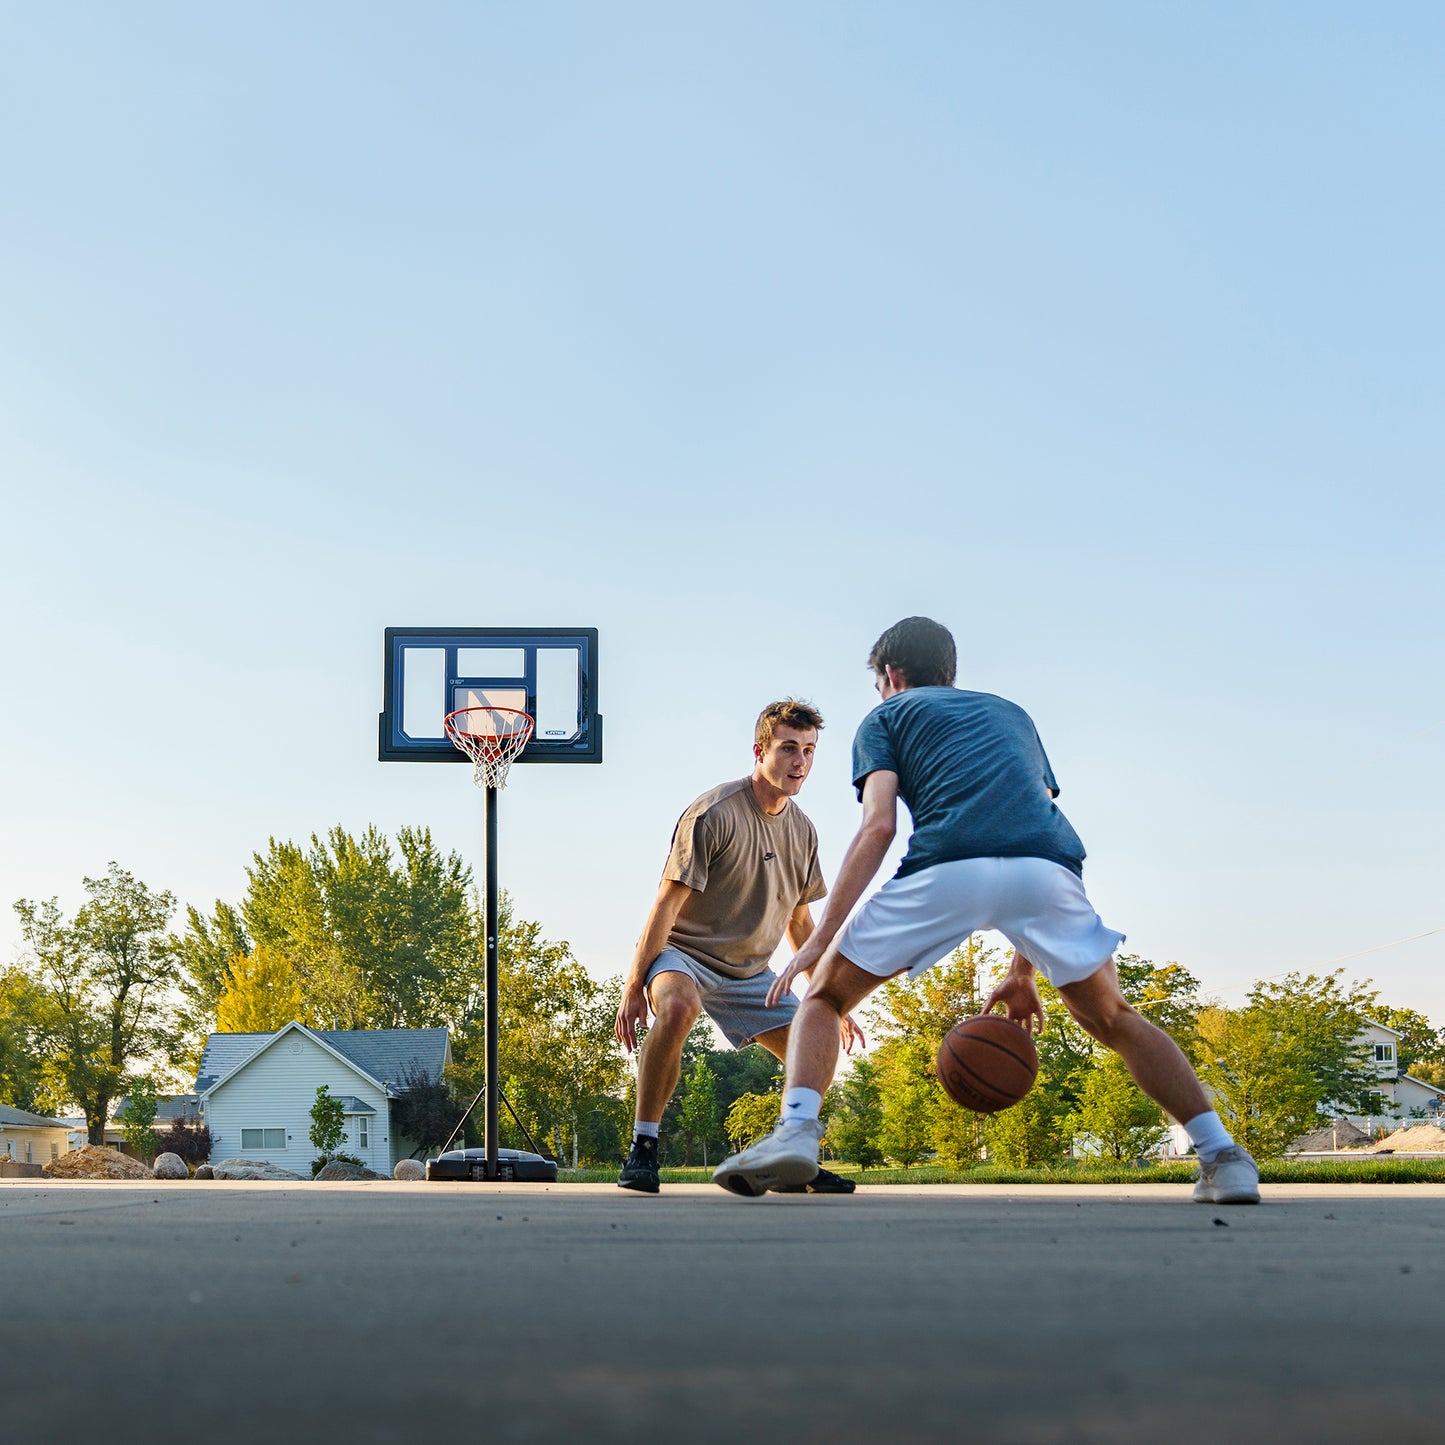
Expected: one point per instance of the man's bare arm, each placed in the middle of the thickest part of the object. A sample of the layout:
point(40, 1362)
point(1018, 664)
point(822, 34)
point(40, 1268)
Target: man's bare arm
point(632, 1013)
point(862, 860)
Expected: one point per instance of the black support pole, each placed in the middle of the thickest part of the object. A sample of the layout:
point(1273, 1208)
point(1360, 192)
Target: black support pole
point(494, 1087)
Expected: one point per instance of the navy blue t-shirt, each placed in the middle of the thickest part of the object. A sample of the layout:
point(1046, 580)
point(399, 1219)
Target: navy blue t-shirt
point(973, 773)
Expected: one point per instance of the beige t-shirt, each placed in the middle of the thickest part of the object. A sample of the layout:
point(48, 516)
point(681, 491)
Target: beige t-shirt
point(749, 870)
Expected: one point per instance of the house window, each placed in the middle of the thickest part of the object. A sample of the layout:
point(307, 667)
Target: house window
point(54, 1150)
point(263, 1138)
point(1384, 1053)
point(363, 1137)
point(29, 1153)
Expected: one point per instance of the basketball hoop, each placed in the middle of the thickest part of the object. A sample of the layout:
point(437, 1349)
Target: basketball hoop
point(492, 737)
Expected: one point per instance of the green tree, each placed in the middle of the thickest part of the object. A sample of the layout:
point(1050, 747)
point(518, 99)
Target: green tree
point(909, 1099)
point(751, 1117)
point(328, 1126)
point(1122, 1122)
point(109, 975)
point(1264, 1087)
point(142, 1101)
point(204, 952)
point(853, 1114)
point(752, 1070)
point(1026, 1136)
point(379, 936)
point(698, 1115)
point(262, 993)
point(1324, 1015)
point(28, 1020)
point(565, 1071)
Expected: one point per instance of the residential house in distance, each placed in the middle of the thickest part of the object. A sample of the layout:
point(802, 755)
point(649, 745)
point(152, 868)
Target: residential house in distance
point(256, 1090)
point(1406, 1096)
point(27, 1138)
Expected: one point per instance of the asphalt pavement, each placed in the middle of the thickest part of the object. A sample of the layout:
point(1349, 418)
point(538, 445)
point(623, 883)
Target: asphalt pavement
point(386, 1312)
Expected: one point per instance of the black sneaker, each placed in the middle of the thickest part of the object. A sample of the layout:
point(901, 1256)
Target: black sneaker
point(823, 1182)
point(640, 1170)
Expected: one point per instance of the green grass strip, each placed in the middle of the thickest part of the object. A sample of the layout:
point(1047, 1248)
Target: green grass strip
point(1271, 1171)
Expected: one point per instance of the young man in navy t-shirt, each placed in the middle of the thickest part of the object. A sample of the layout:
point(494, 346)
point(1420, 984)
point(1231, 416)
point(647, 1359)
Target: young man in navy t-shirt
point(990, 849)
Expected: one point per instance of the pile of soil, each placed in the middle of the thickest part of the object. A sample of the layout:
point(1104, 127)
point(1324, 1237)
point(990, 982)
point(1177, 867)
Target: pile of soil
point(1339, 1134)
point(91, 1161)
point(1414, 1139)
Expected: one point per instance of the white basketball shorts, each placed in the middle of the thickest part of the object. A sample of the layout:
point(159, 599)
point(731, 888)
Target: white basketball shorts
point(1040, 907)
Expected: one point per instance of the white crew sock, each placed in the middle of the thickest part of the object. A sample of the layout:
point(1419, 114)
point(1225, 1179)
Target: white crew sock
point(642, 1130)
point(1208, 1135)
point(801, 1104)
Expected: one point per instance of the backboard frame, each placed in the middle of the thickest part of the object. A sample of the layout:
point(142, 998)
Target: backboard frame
point(395, 745)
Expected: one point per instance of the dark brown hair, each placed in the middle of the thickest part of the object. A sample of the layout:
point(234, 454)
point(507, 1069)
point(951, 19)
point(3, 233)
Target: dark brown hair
point(921, 649)
point(791, 712)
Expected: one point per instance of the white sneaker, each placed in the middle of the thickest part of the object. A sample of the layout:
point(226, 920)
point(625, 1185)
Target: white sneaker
point(789, 1155)
point(1231, 1177)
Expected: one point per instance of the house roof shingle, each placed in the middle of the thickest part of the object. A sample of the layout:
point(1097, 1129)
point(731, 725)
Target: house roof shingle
point(384, 1054)
point(21, 1119)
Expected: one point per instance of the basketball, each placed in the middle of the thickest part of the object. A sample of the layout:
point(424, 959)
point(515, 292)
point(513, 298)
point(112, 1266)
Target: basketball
point(987, 1063)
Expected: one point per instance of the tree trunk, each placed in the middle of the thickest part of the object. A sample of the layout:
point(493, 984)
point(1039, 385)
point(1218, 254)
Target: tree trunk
point(95, 1120)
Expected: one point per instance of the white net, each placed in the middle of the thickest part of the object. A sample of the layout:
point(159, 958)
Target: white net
point(492, 737)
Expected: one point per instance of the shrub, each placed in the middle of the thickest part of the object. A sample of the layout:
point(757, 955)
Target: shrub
point(317, 1165)
point(188, 1138)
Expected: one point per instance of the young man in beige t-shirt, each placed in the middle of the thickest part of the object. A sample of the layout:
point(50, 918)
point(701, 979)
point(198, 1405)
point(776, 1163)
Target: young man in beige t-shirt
point(742, 872)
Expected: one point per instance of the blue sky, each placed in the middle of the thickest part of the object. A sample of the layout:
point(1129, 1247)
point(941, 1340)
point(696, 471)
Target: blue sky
point(1108, 335)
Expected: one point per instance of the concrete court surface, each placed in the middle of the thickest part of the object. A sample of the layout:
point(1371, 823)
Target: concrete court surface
point(383, 1312)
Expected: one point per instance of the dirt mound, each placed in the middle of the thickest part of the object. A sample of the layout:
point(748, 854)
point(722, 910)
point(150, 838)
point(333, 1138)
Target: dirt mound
point(91, 1161)
point(1414, 1139)
point(1338, 1134)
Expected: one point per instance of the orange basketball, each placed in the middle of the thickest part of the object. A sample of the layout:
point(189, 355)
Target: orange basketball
point(987, 1063)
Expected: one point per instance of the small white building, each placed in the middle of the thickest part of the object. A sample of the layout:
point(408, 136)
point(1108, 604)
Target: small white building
point(27, 1138)
point(256, 1090)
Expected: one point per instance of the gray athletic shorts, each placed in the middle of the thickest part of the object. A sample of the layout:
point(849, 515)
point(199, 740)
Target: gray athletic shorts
point(738, 1006)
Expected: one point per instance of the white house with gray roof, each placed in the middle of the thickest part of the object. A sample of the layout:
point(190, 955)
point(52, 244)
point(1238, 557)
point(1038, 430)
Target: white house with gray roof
point(256, 1090)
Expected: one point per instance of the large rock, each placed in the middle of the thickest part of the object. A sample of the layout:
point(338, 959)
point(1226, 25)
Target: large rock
point(95, 1161)
point(251, 1169)
point(337, 1169)
point(204, 1171)
point(409, 1170)
point(170, 1166)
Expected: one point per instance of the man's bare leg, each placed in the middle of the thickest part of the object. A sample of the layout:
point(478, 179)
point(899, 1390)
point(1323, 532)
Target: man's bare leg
point(814, 1039)
point(838, 986)
point(676, 1004)
point(1155, 1062)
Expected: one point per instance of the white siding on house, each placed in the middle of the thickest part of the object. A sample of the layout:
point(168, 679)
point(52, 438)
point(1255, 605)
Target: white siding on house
point(277, 1088)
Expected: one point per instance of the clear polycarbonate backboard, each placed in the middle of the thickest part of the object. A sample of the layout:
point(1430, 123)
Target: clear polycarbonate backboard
point(549, 672)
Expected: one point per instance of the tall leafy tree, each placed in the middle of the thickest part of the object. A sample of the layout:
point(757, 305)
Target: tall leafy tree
point(379, 936)
point(698, 1116)
point(205, 952)
point(853, 1114)
point(1119, 1120)
point(28, 1021)
point(1324, 1015)
point(555, 1038)
point(262, 993)
point(1030, 1135)
point(751, 1117)
point(909, 1100)
point(1260, 1078)
point(109, 973)
point(138, 1123)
